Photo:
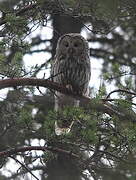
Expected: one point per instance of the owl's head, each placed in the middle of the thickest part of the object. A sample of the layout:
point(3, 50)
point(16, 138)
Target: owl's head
point(72, 44)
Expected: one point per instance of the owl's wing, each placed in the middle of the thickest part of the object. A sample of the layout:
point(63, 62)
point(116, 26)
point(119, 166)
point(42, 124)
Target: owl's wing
point(52, 73)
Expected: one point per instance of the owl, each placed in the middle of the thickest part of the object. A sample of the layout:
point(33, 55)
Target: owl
point(71, 69)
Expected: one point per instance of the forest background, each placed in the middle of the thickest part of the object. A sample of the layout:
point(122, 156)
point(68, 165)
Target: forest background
point(102, 141)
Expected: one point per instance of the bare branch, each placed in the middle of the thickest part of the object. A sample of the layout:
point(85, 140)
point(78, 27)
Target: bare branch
point(25, 167)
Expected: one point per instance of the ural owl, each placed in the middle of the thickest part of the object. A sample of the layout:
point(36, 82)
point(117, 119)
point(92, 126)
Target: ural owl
point(71, 69)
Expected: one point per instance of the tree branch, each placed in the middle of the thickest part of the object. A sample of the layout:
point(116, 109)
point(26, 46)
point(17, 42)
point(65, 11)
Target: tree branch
point(121, 90)
point(13, 151)
point(19, 12)
point(33, 82)
point(24, 166)
point(100, 106)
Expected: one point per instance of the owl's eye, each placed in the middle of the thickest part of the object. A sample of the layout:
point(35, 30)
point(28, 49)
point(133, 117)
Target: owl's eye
point(66, 44)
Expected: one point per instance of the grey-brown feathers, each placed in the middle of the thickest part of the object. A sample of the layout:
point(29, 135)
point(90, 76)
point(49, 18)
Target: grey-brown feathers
point(72, 63)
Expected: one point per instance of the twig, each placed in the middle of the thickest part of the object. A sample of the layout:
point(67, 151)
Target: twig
point(121, 90)
point(25, 167)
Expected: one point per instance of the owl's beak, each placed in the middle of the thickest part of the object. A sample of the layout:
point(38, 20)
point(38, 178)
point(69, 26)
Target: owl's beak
point(70, 50)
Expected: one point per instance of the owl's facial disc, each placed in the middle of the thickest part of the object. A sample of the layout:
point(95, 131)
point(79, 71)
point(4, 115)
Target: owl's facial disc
point(68, 47)
point(72, 45)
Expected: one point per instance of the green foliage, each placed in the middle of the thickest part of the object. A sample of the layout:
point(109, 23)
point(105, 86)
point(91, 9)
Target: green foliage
point(25, 116)
point(48, 156)
point(123, 104)
point(2, 57)
point(18, 56)
point(89, 132)
point(84, 128)
point(13, 69)
point(11, 62)
point(107, 9)
point(130, 133)
point(107, 75)
point(115, 68)
point(16, 25)
point(129, 82)
point(48, 127)
point(102, 92)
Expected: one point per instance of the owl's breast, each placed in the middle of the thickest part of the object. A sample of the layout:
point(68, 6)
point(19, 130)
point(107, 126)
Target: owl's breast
point(75, 73)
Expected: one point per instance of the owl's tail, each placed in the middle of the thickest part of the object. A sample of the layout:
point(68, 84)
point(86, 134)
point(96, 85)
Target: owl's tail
point(62, 131)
